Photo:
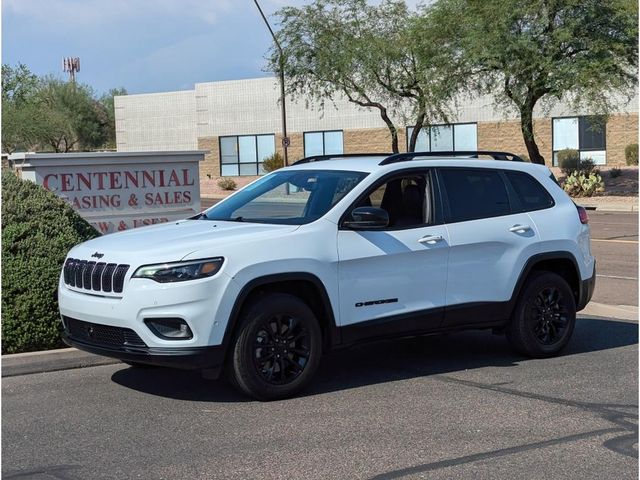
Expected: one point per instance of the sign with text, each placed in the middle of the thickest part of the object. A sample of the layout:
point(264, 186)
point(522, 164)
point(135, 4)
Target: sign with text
point(119, 191)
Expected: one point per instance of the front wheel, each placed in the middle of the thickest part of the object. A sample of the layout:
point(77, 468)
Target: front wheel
point(544, 317)
point(277, 349)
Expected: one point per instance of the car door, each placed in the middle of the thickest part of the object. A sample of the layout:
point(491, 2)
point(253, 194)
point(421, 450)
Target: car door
point(490, 242)
point(393, 280)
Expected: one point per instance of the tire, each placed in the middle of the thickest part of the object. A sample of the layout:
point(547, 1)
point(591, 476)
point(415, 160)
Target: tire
point(263, 364)
point(544, 317)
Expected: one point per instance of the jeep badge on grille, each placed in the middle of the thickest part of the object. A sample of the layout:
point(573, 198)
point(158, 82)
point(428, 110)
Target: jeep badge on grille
point(98, 255)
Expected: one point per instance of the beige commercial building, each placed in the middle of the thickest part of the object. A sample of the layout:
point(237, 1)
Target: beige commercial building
point(238, 122)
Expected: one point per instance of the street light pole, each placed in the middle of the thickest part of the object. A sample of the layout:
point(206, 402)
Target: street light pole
point(285, 139)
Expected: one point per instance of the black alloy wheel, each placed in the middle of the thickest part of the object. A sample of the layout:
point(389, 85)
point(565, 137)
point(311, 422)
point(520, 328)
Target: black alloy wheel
point(544, 316)
point(548, 314)
point(281, 349)
point(277, 347)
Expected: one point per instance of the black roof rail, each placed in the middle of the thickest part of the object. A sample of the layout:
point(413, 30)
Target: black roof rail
point(319, 158)
point(403, 157)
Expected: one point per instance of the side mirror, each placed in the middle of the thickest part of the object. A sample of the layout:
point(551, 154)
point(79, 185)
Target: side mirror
point(367, 218)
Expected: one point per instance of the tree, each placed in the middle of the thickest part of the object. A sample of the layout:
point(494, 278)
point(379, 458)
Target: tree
point(373, 55)
point(527, 52)
point(77, 120)
point(108, 103)
point(45, 113)
point(21, 123)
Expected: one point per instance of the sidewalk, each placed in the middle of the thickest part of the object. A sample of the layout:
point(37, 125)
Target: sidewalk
point(609, 203)
point(69, 358)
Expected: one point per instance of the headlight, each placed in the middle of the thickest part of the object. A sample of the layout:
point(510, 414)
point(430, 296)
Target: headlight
point(180, 271)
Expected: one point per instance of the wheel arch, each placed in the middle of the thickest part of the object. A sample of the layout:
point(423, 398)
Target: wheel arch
point(306, 286)
point(562, 263)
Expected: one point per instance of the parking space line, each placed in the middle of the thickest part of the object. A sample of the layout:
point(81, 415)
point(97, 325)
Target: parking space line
point(613, 241)
point(617, 277)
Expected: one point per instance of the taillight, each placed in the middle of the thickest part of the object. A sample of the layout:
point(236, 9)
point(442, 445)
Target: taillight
point(582, 213)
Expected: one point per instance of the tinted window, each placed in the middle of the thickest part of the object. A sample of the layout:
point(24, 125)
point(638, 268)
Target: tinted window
point(474, 194)
point(531, 194)
point(592, 133)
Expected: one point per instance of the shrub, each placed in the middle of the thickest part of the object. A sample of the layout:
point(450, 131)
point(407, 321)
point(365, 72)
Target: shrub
point(615, 172)
point(568, 160)
point(631, 154)
point(587, 165)
point(38, 229)
point(227, 184)
point(273, 162)
point(581, 184)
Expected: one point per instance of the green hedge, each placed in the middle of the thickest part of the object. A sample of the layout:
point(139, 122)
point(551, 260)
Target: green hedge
point(38, 229)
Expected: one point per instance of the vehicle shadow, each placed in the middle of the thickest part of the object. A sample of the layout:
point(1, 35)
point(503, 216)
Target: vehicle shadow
point(385, 361)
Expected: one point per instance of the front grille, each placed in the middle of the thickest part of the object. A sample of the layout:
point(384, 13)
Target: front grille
point(101, 335)
point(99, 277)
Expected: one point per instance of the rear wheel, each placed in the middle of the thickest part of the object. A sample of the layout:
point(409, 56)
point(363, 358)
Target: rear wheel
point(277, 349)
point(544, 317)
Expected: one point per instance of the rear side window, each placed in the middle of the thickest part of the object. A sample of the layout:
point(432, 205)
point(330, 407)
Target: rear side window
point(474, 194)
point(530, 193)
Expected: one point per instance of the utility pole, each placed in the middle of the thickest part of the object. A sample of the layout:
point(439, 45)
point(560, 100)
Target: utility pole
point(71, 65)
point(285, 138)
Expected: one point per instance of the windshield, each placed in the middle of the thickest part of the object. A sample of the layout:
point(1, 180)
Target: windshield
point(290, 197)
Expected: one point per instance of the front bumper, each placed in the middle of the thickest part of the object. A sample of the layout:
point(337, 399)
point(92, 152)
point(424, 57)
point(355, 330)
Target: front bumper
point(202, 304)
point(204, 358)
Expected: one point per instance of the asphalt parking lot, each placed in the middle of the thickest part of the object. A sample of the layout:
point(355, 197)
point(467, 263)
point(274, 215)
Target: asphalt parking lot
point(456, 406)
point(453, 406)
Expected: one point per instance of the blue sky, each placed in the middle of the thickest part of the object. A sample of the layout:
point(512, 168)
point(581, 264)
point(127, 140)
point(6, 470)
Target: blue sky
point(142, 45)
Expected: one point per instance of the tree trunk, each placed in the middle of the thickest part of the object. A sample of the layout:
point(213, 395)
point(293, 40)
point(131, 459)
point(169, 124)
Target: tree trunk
point(416, 131)
point(366, 102)
point(392, 130)
point(526, 125)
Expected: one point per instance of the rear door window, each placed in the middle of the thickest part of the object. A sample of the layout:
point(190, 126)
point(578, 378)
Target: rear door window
point(474, 193)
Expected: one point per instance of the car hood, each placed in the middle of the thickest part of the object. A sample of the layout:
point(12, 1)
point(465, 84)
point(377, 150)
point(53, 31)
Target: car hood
point(173, 241)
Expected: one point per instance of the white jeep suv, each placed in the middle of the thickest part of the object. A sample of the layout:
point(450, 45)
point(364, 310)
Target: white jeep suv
point(331, 251)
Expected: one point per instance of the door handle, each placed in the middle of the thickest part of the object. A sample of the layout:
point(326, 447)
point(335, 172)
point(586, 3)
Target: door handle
point(520, 228)
point(430, 239)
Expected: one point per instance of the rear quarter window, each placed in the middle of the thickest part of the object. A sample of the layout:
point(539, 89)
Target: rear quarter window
point(531, 195)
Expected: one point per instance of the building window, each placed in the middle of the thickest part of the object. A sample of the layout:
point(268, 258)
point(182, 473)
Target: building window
point(585, 134)
point(323, 143)
point(446, 138)
point(243, 154)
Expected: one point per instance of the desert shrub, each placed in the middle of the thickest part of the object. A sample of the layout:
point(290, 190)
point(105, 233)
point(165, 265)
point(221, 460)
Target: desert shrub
point(273, 162)
point(631, 154)
point(615, 172)
point(587, 165)
point(227, 184)
point(568, 160)
point(582, 184)
point(38, 229)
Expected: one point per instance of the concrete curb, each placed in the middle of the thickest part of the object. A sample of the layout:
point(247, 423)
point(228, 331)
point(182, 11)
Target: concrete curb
point(632, 207)
point(50, 361)
point(620, 312)
point(69, 358)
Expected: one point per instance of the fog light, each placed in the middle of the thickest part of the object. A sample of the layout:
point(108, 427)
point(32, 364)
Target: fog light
point(169, 328)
